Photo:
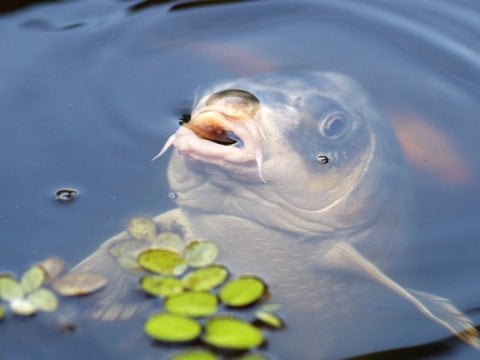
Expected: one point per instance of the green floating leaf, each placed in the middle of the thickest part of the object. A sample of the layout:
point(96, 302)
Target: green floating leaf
point(169, 241)
point(242, 291)
point(161, 286)
point(126, 251)
point(199, 253)
point(162, 261)
point(231, 333)
point(43, 300)
point(76, 284)
point(195, 354)
point(172, 328)
point(10, 289)
point(22, 307)
point(269, 319)
point(194, 304)
point(142, 228)
point(2, 312)
point(52, 267)
point(206, 279)
point(32, 279)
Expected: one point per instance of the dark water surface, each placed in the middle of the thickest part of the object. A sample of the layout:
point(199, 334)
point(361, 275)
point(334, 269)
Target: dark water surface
point(90, 90)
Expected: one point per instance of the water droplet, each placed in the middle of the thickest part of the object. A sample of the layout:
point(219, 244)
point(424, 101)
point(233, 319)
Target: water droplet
point(172, 195)
point(66, 195)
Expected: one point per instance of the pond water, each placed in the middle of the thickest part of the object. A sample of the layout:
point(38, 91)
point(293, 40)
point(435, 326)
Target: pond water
point(90, 90)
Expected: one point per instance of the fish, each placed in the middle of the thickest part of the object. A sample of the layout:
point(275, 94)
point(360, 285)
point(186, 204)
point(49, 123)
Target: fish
point(299, 178)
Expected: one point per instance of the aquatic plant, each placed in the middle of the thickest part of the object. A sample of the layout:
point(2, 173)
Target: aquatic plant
point(183, 274)
point(191, 302)
point(27, 296)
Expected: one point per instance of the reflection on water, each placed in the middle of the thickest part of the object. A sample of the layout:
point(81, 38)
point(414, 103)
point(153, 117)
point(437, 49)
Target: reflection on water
point(89, 107)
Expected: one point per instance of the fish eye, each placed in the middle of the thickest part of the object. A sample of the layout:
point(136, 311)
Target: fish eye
point(334, 126)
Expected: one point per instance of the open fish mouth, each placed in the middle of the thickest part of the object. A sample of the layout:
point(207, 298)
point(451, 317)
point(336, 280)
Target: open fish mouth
point(224, 129)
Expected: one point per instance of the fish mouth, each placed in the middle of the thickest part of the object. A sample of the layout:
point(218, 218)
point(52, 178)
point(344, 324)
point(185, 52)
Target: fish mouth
point(215, 136)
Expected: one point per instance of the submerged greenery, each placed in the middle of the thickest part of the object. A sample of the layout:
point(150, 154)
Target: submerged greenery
point(193, 290)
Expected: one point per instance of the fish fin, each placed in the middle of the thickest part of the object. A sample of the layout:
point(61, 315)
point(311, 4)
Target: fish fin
point(119, 300)
point(115, 301)
point(436, 308)
point(449, 316)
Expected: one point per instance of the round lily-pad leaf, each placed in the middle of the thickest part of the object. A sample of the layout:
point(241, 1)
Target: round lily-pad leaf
point(172, 328)
point(10, 289)
point(195, 354)
point(52, 267)
point(162, 261)
point(2, 312)
point(77, 284)
point(44, 300)
point(232, 333)
point(242, 291)
point(161, 286)
point(269, 319)
point(169, 241)
point(142, 228)
point(126, 251)
point(32, 279)
point(200, 253)
point(194, 304)
point(22, 307)
point(205, 279)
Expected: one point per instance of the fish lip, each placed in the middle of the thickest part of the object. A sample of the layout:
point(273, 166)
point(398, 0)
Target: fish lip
point(188, 143)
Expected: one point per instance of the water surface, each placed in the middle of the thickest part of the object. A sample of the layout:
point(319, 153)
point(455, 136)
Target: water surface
point(89, 91)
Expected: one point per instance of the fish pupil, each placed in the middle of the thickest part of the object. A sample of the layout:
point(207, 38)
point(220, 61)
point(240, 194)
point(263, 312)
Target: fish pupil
point(322, 159)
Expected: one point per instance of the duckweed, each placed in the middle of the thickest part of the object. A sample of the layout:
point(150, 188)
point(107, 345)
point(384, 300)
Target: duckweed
point(195, 354)
point(162, 261)
point(142, 228)
point(172, 328)
point(77, 284)
point(193, 304)
point(161, 286)
point(26, 297)
point(232, 333)
point(200, 253)
point(206, 279)
point(269, 319)
point(242, 291)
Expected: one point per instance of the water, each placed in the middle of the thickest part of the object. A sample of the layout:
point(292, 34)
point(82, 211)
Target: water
point(89, 90)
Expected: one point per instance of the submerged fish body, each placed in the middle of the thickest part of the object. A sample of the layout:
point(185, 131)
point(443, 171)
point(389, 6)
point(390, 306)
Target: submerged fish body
point(297, 178)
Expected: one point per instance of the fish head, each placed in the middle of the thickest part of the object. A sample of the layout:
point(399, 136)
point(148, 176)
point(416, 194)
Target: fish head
point(305, 153)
